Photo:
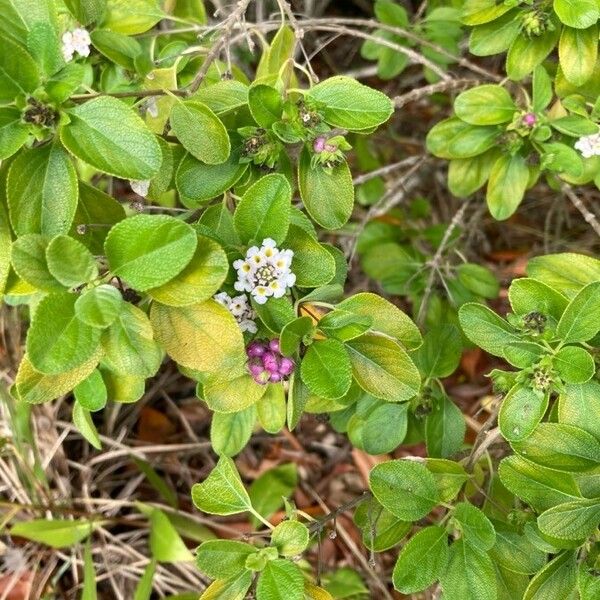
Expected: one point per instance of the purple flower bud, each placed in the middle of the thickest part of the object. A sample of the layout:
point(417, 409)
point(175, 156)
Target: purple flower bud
point(274, 345)
point(262, 378)
point(270, 362)
point(256, 370)
point(275, 377)
point(529, 119)
point(286, 366)
point(319, 144)
point(255, 349)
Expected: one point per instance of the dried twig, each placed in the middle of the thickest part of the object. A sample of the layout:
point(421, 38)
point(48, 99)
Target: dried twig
point(589, 216)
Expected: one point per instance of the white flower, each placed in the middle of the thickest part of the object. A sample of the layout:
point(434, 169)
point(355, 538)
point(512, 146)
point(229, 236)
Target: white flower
point(240, 309)
point(589, 145)
point(140, 187)
point(265, 272)
point(78, 41)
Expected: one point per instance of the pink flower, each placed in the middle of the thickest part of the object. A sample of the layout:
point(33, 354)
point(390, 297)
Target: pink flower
point(529, 119)
point(319, 144)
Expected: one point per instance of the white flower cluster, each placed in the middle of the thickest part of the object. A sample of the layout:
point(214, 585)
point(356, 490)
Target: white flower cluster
point(140, 187)
point(265, 271)
point(240, 309)
point(589, 145)
point(78, 41)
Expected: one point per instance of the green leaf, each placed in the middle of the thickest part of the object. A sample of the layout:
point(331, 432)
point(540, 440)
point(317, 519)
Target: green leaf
point(476, 12)
point(99, 306)
point(541, 88)
point(117, 47)
point(506, 186)
point(450, 477)
point(558, 579)
point(268, 490)
point(143, 589)
point(13, 132)
point(89, 575)
point(541, 488)
point(232, 394)
point(57, 340)
point(275, 314)
point(282, 48)
point(43, 46)
point(148, 250)
point(200, 279)
point(444, 429)
point(129, 345)
point(110, 136)
point(234, 588)
point(469, 574)
point(575, 520)
point(280, 580)
point(131, 16)
point(222, 492)
point(383, 369)
point(485, 328)
point(223, 96)
point(381, 530)
point(70, 262)
point(204, 336)
point(86, 11)
point(485, 105)
point(574, 364)
point(91, 393)
point(58, 533)
point(42, 191)
point(516, 553)
point(579, 405)
point(200, 131)
point(312, 264)
point(264, 210)
point(577, 13)
point(265, 104)
point(351, 105)
point(477, 530)
point(440, 353)
point(386, 317)
point(496, 36)
point(293, 333)
point(422, 560)
point(28, 257)
point(530, 295)
point(578, 51)
point(198, 182)
point(467, 175)
point(222, 559)
point(326, 369)
point(406, 488)
point(453, 138)
point(520, 413)
point(567, 272)
point(230, 432)
point(97, 212)
point(18, 72)
point(35, 387)
point(561, 447)
point(271, 408)
point(581, 320)
point(384, 428)
point(83, 421)
point(328, 195)
point(166, 544)
point(527, 52)
point(290, 538)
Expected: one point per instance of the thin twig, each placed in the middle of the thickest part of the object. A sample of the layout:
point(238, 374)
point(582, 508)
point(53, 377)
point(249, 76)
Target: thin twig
point(434, 88)
point(589, 216)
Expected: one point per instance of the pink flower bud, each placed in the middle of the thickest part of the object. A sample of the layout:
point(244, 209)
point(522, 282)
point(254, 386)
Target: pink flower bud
point(286, 366)
point(255, 349)
point(274, 345)
point(262, 379)
point(319, 144)
point(529, 119)
point(330, 147)
point(256, 370)
point(275, 377)
point(270, 362)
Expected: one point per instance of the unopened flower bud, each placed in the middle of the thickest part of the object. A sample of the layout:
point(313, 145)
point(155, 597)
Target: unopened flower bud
point(255, 349)
point(275, 377)
point(529, 119)
point(286, 366)
point(319, 144)
point(274, 345)
point(270, 362)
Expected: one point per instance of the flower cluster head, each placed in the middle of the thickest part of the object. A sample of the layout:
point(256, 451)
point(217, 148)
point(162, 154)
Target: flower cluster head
point(589, 145)
point(240, 308)
point(78, 41)
point(529, 119)
point(266, 364)
point(328, 152)
point(265, 272)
